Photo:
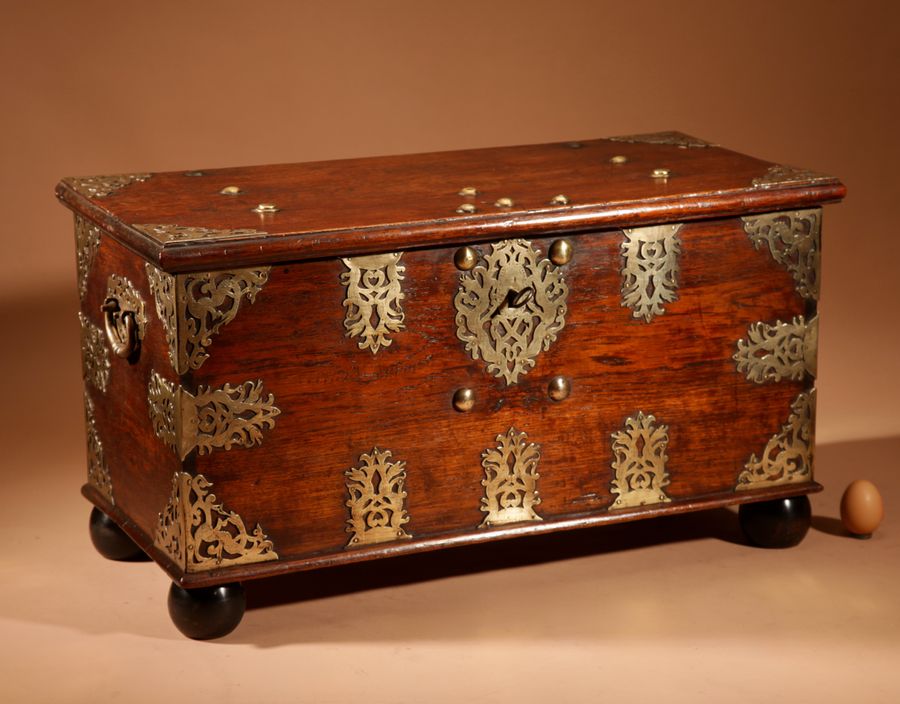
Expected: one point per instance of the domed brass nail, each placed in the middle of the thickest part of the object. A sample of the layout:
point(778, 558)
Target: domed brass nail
point(465, 258)
point(561, 252)
point(618, 159)
point(559, 388)
point(464, 400)
point(230, 191)
point(263, 208)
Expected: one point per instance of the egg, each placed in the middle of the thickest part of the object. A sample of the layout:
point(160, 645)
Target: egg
point(861, 508)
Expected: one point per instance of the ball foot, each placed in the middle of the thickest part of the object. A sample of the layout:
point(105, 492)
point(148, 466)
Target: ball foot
point(208, 612)
point(781, 523)
point(111, 541)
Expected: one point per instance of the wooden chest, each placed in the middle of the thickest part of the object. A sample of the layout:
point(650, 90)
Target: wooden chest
point(294, 366)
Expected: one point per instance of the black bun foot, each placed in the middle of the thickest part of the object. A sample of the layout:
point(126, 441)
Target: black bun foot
point(111, 542)
point(209, 612)
point(782, 523)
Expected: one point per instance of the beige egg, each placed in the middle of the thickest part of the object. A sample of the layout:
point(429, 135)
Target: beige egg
point(861, 507)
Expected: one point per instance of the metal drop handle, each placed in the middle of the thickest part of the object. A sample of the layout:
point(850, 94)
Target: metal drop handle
point(121, 328)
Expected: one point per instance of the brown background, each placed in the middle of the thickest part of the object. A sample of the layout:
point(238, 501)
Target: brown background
point(108, 87)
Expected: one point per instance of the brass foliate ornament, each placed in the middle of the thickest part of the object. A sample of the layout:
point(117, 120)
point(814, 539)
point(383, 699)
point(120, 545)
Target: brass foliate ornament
point(639, 463)
point(778, 351)
point(198, 533)
point(374, 299)
point(787, 457)
point(650, 269)
point(793, 240)
point(510, 480)
point(510, 308)
point(220, 418)
point(377, 499)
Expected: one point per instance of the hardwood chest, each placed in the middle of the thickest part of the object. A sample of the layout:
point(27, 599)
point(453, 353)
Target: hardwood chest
point(294, 366)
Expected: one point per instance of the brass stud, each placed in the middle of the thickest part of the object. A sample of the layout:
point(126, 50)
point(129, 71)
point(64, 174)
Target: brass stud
point(194, 173)
point(559, 388)
point(561, 252)
point(660, 173)
point(465, 258)
point(230, 191)
point(504, 203)
point(574, 145)
point(264, 208)
point(559, 200)
point(619, 159)
point(466, 208)
point(464, 400)
point(468, 192)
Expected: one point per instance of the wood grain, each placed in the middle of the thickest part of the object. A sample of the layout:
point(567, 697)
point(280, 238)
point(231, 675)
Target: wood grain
point(356, 206)
point(338, 401)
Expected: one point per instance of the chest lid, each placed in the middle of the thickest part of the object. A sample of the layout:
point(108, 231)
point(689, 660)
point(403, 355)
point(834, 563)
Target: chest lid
point(221, 218)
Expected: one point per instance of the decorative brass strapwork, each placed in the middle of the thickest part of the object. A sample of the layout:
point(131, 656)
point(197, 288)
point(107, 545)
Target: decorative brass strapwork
point(373, 299)
point(670, 138)
point(650, 269)
point(87, 243)
point(94, 355)
point(123, 311)
point(377, 497)
point(231, 416)
point(102, 186)
point(510, 307)
point(640, 462)
point(779, 351)
point(781, 175)
point(792, 239)
point(788, 456)
point(194, 307)
point(186, 233)
point(200, 534)
point(98, 474)
point(510, 480)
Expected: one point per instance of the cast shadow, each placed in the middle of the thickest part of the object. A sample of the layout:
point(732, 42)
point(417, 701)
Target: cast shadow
point(511, 553)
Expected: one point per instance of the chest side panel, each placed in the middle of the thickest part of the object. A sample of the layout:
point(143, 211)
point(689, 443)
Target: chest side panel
point(129, 470)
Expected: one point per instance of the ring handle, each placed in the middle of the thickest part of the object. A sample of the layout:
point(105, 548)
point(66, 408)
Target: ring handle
point(121, 328)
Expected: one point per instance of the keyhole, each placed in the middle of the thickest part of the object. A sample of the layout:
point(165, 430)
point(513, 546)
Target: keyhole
point(514, 299)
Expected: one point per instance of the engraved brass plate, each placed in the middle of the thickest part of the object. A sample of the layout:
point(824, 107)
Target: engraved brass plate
point(782, 175)
point(373, 299)
point(669, 138)
point(212, 419)
point(650, 269)
point(377, 497)
point(510, 480)
point(98, 474)
point(184, 233)
point(639, 463)
point(94, 354)
point(199, 533)
point(102, 186)
point(779, 351)
point(510, 307)
point(792, 239)
point(195, 307)
point(787, 457)
point(87, 243)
